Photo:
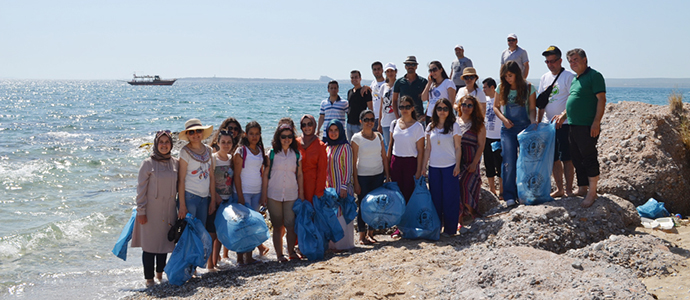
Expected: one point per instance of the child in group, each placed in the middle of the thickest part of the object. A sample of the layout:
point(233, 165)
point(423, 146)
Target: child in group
point(223, 174)
point(249, 162)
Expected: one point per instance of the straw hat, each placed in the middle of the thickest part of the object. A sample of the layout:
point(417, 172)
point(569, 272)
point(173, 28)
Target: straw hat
point(469, 71)
point(193, 124)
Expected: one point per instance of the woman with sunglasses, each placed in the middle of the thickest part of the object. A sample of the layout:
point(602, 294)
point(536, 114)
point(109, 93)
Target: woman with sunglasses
point(370, 167)
point(223, 175)
point(471, 120)
point(314, 159)
point(196, 179)
point(443, 153)
point(282, 186)
point(340, 171)
point(439, 86)
point(156, 210)
point(407, 144)
point(515, 105)
point(469, 75)
point(231, 125)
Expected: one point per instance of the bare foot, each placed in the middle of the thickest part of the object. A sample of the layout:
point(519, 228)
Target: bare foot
point(263, 250)
point(569, 194)
point(159, 276)
point(249, 261)
point(557, 194)
point(581, 191)
point(370, 236)
point(589, 200)
point(150, 283)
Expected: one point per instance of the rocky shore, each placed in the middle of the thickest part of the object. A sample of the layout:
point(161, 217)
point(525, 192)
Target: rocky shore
point(555, 250)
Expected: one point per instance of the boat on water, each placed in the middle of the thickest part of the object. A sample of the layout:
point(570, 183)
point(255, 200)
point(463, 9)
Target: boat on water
point(150, 80)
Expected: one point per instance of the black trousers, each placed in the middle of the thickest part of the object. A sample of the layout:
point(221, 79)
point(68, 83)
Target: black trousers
point(492, 160)
point(583, 149)
point(147, 258)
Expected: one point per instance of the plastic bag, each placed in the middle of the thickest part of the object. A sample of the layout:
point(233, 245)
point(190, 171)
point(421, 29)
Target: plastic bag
point(420, 220)
point(309, 238)
point(383, 207)
point(120, 249)
point(652, 209)
point(326, 209)
point(535, 163)
point(239, 228)
point(191, 251)
point(347, 204)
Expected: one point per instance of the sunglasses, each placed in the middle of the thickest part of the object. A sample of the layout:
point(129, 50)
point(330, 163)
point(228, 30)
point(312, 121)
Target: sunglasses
point(442, 109)
point(366, 120)
point(512, 40)
point(288, 136)
point(551, 61)
point(307, 124)
point(233, 128)
point(467, 105)
point(405, 107)
point(410, 65)
point(469, 77)
point(194, 131)
point(433, 70)
point(225, 132)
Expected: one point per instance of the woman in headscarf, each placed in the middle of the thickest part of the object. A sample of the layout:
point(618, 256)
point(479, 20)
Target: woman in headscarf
point(340, 173)
point(156, 211)
point(314, 159)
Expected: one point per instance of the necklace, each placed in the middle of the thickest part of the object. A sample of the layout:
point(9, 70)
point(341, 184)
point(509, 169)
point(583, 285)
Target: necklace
point(369, 136)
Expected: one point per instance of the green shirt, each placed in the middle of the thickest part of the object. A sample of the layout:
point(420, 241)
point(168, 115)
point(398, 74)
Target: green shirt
point(582, 101)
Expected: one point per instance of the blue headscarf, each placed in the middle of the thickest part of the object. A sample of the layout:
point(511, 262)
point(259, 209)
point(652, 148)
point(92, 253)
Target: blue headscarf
point(342, 138)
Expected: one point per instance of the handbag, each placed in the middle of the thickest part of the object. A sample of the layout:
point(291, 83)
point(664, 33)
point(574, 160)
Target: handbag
point(543, 98)
point(176, 230)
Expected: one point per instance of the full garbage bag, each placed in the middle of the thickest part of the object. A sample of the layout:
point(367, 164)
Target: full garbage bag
point(326, 209)
point(383, 207)
point(191, 251)
point(420, 220)
point(535, 163)
point(120, 249)
point(652, 209)
point(310, 239)
point(239, 228)
point(347, 204)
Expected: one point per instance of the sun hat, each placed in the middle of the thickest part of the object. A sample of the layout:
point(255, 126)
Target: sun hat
point(410, 60)
point(469, 71)
point(193, 124)
point(390, 66)
point(552, 50)
point(459, 46)
point(512, 36)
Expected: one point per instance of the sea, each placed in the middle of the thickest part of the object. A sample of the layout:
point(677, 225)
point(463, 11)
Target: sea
point(70, 152)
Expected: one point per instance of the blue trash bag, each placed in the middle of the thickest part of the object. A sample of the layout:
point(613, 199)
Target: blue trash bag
point(309, 238)
point(652, 209)
point(535, 163)
point(239, 228)
point(420, 220)
point(191, 251)
point(383, 207)
point(347, 204)
point(496, 146)
point(120, 249)
point(326, 209)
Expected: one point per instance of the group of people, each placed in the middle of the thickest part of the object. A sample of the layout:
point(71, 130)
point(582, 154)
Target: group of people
point(380, 133)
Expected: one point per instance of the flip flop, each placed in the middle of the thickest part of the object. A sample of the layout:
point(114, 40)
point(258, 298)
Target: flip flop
point(283, 259)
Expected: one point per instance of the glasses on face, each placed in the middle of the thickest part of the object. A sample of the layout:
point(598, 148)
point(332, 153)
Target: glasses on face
point(442, 109)
point(467, 105)
point(512, 40)
point(287, 136)
point(410, 65)
point(551, 61)
point(469, 77)
point(432, 70)
point(234, 128)
point(161, 132)
point(193, 131)
point(405, 107)
point(367, 120)
point(225, 132)
point(307, 124)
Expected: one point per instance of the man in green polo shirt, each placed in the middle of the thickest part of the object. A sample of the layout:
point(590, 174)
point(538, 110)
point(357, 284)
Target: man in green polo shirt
point(584, 110)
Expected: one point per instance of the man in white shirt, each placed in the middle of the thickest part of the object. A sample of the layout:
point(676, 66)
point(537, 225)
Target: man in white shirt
point(376, 87)
point(516, 54)
point(562, 164)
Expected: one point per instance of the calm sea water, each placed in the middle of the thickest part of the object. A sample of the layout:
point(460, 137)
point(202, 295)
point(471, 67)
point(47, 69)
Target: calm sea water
point(69, 158)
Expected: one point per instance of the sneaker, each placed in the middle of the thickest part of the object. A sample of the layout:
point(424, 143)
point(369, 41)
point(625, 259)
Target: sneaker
point(510, 203)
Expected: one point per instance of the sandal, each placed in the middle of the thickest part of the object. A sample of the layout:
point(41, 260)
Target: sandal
point(282, 259)
point(365, 242)
point(296, 257)
point(396, 234)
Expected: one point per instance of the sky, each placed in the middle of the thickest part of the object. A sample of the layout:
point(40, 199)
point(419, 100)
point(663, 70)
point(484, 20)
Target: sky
point(307, 39)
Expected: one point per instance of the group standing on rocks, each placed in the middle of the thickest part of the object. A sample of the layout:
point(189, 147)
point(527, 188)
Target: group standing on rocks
point(380, 133)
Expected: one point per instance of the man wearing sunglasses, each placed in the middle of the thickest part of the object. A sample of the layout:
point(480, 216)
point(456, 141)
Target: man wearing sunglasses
point(458, 65)
point(517, 54)
point(559, 79)
point(411, 85)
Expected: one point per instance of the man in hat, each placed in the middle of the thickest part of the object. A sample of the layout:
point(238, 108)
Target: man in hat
point(560, 89)
point(458, 65)
point(358, 102)
point(584, 110)
point(411, 85)
point(516, 54)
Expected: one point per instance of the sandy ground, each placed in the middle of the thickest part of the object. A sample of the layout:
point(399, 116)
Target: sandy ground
point(676, 285)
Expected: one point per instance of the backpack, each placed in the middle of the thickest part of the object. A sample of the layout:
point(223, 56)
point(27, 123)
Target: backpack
point(272, 155)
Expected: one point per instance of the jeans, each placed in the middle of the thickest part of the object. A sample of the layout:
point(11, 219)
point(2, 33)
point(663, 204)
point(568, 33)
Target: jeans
point(445, 193)
point(509, 145)
point(351, 130)
point(197, 206)
point(366, 184)
point(386, 132)
point(252, 201)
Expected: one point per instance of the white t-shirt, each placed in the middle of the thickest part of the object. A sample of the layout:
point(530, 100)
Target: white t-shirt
point(223, 174)
point(197, 180)
point(492, 122)
point(559, 93)
point(369, 161)
point(405, 144)
point(478, 93)
point(437, 93)
point(387, 114)
point(376, 92)
point(251, 173)
point(442, 146)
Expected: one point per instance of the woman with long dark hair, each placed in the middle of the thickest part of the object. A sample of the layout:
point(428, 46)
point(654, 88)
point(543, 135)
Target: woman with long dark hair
point(515, 105)
point(471, 120)
point(439, 86)
point(407, 144)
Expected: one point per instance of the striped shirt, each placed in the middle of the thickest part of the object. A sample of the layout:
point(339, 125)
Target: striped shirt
point(335, 110)
point(340, 168)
